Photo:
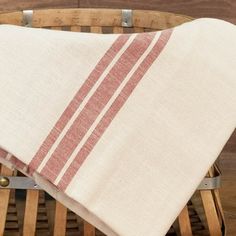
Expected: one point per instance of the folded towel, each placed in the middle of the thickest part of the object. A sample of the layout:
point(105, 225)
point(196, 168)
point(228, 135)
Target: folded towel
point(120, 128)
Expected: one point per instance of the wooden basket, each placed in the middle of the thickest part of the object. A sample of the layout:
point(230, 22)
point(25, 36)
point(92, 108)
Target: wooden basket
point(39, 214)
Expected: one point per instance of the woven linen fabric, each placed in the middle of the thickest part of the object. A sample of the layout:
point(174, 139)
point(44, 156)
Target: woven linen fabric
point(119, 128)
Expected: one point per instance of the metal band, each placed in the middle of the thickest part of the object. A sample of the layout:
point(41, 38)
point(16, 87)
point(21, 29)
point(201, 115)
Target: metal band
point(28, 17)
point(210, 183)
point(16, 182)
point(127, 18)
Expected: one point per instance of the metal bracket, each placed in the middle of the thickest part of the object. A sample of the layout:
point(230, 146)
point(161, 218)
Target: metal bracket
point(127, 18)
point(210, 183)
point(17, 182)
point(28, 17)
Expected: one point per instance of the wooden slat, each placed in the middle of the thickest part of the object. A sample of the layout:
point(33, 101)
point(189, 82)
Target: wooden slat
point(219, 207)
point(32, 4)
point(81, 17)
point(210, 208)
point(76, 28)
point(96, 29)
point(211, 214)
point(184, 223)
point(4, 199)
point(89, 230)
point(30, 217)
point(14, 18)
point(118, 30)
point(60, 220)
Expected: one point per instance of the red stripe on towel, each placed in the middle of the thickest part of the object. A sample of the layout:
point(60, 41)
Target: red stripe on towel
point(17, 163)
point(77, 100)
point(3, 153)
point(95, 105)
point(113, 110)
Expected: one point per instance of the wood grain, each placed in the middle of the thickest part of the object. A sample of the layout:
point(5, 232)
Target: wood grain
point(31, 208)
point(184, 222)
point(227, 164)
point(89, 230)
point(223, 9)
point(231, 144)
point(14, 18)
point(97, 18)
point(211, 213)
point(60, 220)
point(7, 5)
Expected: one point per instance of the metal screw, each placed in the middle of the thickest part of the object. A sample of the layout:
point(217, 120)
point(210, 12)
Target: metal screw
point(4, 181)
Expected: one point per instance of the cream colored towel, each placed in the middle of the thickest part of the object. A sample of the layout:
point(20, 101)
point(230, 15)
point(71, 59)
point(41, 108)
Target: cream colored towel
point(120, 128)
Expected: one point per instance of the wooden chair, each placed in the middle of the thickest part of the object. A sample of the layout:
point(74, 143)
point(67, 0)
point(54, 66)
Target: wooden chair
point(191, 219)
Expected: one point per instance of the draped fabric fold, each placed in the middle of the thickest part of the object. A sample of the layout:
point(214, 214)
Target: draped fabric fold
point(119, 128)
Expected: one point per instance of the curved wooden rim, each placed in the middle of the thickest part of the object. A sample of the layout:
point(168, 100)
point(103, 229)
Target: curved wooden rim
point(96, 17)
point(105, 17)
